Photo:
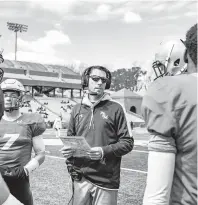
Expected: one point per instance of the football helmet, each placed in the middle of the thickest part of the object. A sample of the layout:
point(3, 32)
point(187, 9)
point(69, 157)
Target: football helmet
point(16, 86)
point(169, 60)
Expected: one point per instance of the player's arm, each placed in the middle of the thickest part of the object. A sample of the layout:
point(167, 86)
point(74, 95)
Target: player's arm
point(38, 159)
point(5, 197)
point(162, 148)
point(38, 127)
point(159, 179)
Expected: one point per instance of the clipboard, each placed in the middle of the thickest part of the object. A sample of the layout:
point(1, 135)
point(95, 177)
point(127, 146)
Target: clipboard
point(78, 143)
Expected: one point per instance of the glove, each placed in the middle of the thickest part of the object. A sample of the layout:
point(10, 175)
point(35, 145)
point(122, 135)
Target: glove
point(15, 173)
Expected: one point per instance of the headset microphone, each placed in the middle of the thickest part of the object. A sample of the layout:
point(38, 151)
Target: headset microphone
point(86, 91)
point(92, 93)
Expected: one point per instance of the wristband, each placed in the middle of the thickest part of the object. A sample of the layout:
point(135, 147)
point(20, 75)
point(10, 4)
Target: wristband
point(32, 165)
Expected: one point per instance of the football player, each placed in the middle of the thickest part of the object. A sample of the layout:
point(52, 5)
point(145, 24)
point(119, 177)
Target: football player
point(19, 134)
point(5, 197)
point(58, 125)
point(170, 111)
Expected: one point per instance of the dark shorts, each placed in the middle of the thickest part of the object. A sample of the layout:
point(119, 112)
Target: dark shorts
point(20, 188)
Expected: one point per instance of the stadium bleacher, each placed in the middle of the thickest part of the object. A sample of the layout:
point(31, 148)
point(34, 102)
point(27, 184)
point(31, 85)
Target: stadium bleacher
point(50, 108)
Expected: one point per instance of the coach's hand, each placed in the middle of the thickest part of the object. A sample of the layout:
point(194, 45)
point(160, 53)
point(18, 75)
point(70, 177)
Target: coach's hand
point(67, 151)
point(96, 153)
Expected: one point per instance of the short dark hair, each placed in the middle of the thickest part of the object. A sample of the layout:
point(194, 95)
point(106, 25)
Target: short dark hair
point(191, 43)
point(102, 68)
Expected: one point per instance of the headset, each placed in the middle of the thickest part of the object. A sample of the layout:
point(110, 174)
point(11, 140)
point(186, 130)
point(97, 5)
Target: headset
point(185, 56)
point(186, 51)
point(86, 73)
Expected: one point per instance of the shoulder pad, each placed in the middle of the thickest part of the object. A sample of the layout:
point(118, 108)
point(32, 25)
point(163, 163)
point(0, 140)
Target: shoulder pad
point(32, 118)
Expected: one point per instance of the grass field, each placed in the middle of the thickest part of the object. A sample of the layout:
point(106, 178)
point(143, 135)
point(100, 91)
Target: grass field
point(51, 184)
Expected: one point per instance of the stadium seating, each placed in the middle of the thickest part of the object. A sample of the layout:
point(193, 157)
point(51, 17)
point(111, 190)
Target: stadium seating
point(50, 108)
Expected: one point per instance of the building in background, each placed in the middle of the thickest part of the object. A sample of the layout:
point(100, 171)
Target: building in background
point(131, 101)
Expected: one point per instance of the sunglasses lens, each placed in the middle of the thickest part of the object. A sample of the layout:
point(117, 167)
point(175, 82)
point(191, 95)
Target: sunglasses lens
point(96, 79)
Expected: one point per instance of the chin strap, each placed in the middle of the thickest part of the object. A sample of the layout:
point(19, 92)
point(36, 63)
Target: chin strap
point(11, 109)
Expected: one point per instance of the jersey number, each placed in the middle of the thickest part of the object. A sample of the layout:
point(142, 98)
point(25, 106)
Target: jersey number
point(12, 138)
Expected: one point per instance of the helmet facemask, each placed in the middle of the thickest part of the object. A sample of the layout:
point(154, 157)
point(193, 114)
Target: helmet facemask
point(169, 60)
point(15, 91)
point(15, 100)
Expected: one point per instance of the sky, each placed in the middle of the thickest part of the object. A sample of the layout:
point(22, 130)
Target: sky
point(113, 33)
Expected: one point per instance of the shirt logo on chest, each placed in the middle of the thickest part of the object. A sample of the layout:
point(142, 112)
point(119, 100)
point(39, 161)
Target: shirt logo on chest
point(104, 115)
point(80, 115)
point(20, 122)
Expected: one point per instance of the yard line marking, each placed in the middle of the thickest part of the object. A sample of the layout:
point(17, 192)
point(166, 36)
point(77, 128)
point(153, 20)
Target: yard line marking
point(135, 150)
point(133, 170)
point(124, 169)
point(54, 157)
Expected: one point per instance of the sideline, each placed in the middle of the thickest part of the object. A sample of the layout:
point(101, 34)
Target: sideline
point(124, 169)
point(56, 141)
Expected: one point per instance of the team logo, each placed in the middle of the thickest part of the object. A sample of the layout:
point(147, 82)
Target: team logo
point(20, 122)
point(104, 115)
point(81, 115)
point(7, 173)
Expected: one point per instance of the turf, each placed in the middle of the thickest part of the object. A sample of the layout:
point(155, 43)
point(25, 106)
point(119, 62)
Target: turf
point(50, 183)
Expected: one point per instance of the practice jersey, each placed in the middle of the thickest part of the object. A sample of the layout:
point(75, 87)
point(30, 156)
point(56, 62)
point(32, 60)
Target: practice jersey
point(1, 104)
point(16, 139)
point(170, 111)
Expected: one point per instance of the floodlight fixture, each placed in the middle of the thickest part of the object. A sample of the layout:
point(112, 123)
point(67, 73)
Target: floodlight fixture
point(17, 28)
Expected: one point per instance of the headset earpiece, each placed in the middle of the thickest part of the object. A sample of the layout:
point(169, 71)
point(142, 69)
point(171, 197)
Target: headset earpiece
point(108, 84)
point(185, 56)
point(84, 79)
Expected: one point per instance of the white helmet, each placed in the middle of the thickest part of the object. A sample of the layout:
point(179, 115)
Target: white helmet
point(170, 59)
point(13, 85)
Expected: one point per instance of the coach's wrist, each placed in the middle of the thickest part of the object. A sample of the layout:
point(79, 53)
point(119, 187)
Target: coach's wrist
point(102, 152)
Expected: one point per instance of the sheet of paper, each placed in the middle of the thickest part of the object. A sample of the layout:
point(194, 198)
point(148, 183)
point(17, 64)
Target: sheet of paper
point(78, 143)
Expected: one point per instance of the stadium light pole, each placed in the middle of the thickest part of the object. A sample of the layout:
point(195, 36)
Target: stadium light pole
point(17, 28)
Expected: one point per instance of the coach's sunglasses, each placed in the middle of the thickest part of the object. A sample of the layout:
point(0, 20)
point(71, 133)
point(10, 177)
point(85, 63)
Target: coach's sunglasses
point(97, 78)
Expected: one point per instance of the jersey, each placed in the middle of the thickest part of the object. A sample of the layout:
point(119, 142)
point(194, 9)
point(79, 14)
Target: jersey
point(1, 104)
point(170, 111)
point(16, 139)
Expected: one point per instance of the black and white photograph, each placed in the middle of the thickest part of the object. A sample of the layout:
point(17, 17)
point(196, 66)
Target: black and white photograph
point(98, 102)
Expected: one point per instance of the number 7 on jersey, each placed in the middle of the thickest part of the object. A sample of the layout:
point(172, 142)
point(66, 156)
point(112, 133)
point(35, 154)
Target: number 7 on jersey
point(12, 138)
